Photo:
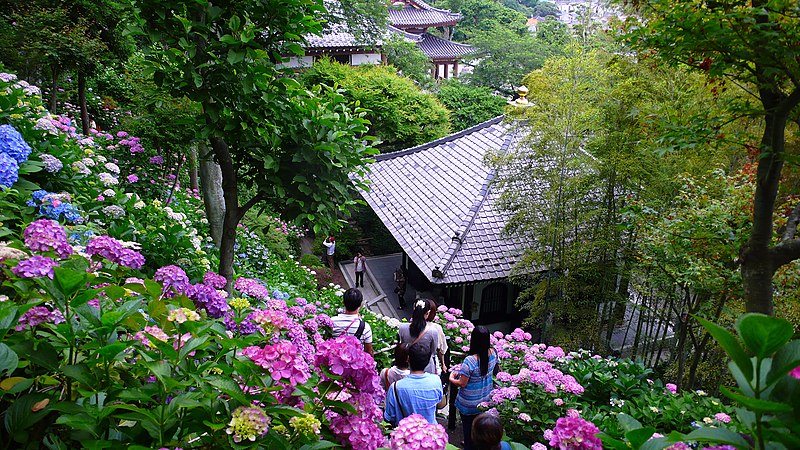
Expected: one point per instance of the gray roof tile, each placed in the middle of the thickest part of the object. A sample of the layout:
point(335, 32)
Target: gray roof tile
point(418, 14)
point(448, 191)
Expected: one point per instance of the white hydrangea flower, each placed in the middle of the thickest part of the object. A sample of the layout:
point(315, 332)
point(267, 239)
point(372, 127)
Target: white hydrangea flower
point(107, 179)
point(111, 167)
point(88, 162)
point(109, 193)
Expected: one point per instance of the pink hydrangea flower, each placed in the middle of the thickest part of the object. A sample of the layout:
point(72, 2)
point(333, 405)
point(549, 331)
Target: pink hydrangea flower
point(44, 235)
point(671, 388)
point(722, 417)
point(795, 373)
point(415, 433)
point(575, 433)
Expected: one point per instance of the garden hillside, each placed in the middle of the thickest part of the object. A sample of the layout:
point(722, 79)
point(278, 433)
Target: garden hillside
point(116, 332)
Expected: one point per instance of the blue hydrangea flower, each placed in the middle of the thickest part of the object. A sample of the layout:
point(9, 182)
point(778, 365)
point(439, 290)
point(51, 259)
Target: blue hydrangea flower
point(40, 194)
point(12, 144)
point(9, 171)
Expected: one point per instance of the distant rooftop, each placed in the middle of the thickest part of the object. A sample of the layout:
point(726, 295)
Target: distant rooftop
point(418, 14)
point(436, 47)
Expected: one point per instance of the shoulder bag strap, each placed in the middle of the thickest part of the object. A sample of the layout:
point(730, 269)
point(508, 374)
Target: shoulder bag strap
point(422, 333)
point(399, 403)
point(360, 329)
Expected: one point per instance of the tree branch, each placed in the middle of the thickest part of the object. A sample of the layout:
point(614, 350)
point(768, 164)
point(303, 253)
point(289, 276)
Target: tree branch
point(785, 252)
point(250, 203)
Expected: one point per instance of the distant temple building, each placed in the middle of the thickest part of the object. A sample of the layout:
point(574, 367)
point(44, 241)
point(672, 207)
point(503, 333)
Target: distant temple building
point(408, 18)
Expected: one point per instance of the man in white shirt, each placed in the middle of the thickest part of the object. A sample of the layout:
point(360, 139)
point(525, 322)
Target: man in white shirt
point(351, 323)
point(330, 243)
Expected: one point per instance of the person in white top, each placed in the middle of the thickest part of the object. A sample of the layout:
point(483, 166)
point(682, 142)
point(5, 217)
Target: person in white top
point(350, 322)
point(435, 328)
point(360, 262)
point(330, 243)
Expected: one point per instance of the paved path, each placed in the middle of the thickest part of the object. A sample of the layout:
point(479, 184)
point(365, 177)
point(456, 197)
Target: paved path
point(379, 285)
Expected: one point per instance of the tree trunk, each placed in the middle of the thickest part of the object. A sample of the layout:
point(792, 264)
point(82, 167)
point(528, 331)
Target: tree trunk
point(230, 193)
point(213, 199)
point(193, 168)
point(760, 261)
point(82, 102)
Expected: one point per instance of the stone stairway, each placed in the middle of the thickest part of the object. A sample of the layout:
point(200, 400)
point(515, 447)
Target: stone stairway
point(375, 299)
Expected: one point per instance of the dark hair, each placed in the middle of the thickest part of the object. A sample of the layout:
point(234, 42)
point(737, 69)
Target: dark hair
point(419, 355)
point(418, 321)
point(401, 356)
point(352, 299)
point(479, 345)
point(487, 432)
point(431, 309)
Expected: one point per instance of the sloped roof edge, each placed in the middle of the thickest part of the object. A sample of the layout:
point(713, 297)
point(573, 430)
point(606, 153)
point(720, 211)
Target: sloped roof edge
point(466, 225)
point(452, 137)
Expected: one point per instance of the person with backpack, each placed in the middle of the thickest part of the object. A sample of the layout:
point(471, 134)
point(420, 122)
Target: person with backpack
point(350, 322)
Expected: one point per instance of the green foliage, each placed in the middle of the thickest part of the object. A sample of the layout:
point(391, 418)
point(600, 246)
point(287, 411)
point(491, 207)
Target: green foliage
point(483, 15)
point(400, 115)
point(469, 105)
point(312, 261)
point(408, 59)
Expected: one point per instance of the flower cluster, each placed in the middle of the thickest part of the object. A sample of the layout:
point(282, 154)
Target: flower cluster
point(54, 206)
point(51, 163)
point(182, 315)
point(415, 433)
point(35, 267)
point(174, 279)
point(208, 298)
point(357, 432)
point(44, 235)
point(9, 171)
point(114, 251)
point(345, 357)
point(573, 432)
point(248, 423)
point(37, 316)
point(214, 280)
point(13, 145)
point(306, 425)
point(281, 360)
point(251, 287)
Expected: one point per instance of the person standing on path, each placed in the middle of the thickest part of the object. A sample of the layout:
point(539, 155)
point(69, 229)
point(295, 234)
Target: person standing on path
point(417, 332)
point(350, 322)
point(474, 378)
point(400, 289)
point(330, 243)
point(360, 262)
point(417, 393)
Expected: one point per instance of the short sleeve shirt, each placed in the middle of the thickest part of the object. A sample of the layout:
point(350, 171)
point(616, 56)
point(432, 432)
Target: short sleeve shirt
point(479, 387)
point(429, 340)
point(348, 324)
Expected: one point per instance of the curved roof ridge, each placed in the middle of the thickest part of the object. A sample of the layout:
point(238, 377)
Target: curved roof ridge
point(428, 7)
point(464, 229)
point(452, 137)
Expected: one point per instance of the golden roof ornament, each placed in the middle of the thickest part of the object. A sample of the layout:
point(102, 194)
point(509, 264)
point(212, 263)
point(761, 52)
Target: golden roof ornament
point(521, 100)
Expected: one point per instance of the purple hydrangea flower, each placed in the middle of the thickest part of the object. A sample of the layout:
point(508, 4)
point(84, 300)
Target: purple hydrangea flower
point(51, 163)
point(112, 250)
point(12, 144)
point(214, 280)
point(37, 316)
point(174, 280)
point(251, 287)
point(157, 160)
point(132, 178)
point(35, 267)
point(9, 171)
point(44, 235)
point(208, 298)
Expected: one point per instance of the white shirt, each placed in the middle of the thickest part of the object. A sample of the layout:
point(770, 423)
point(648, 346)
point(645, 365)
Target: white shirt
point(331, 246)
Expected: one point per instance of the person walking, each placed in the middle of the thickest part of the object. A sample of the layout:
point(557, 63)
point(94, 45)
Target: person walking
point(330, 243)
point(417, 332)
point(441, 348)
point(474, 378)
point(360, 262)
point(400, 288)
point(400, 368)
point(417, 393)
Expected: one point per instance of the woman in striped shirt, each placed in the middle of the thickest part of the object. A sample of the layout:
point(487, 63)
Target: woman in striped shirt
point(474, 378)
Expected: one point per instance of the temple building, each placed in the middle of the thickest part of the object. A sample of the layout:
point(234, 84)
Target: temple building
point(409, 19)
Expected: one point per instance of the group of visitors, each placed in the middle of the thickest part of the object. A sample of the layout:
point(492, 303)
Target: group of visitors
point(414, 384)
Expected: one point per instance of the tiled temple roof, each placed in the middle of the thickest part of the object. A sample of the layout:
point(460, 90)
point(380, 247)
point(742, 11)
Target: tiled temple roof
point(339, 38)
point(438, 202)
point(418, 14)
point(438, 48)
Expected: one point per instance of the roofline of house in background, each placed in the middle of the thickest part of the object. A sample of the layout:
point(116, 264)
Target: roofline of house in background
point(452, 137)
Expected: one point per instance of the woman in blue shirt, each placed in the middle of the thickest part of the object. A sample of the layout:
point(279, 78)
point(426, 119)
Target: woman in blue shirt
point(474, 379)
